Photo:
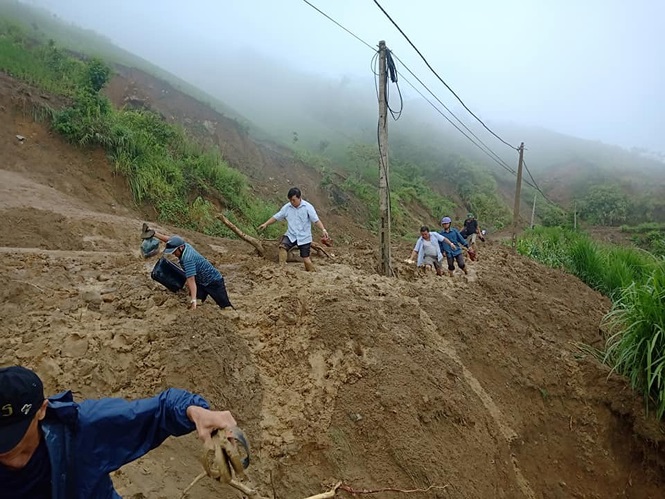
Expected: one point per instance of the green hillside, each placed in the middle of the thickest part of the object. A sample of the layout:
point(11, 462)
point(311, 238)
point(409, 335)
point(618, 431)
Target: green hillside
point(434, 169)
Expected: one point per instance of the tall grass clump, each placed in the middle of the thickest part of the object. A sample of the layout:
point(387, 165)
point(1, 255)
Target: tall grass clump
point(605, 268)
point(635, 347)
point(625, 266)
point(586, 261)
point(635, 281)
point(547, 245)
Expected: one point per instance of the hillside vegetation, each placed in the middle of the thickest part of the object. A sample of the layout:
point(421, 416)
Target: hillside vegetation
point(165, 168)
point(635, 281)
point(185, 182)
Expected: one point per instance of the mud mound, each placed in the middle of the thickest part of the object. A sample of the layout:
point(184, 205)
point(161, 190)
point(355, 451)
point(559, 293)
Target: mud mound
point(472, 382)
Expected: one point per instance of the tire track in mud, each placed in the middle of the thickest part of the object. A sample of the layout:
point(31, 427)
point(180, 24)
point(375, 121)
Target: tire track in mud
point(508, 433)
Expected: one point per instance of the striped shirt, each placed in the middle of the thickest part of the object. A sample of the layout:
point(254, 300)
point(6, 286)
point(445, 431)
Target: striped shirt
point(195, 265)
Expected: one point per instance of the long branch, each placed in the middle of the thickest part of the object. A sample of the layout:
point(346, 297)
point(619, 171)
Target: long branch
point(245, 237)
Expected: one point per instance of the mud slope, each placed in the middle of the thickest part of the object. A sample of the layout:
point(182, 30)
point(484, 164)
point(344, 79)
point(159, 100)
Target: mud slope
point(475, 383)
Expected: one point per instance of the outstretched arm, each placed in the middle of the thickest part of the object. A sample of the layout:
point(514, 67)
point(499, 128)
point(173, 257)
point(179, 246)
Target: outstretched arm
point(265, 224)
point(441, 237)
point(116, 431)
point(162, 237)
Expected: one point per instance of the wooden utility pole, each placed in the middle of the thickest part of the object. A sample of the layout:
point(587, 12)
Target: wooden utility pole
point(575, 215)
point(384, 192)
point(518, 193)
point(533, 210)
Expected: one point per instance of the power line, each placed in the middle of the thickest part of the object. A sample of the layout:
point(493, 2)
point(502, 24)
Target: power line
point(491, 154)
point(441, 79)
point(509, 170)
point(496, 156)
point(338, 24)
point(535, 184)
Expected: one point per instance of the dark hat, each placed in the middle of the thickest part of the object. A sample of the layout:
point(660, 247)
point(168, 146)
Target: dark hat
point(21, 396)
point(173, 244)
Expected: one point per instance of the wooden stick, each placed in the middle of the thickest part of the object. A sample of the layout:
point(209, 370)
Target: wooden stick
point(319, 247)
point(352, 491)
point(245, 237)
point(244, 489)
point(194, 482)
point(326, 495)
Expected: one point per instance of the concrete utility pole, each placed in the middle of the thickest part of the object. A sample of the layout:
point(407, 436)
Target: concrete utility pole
point(384, 192)
point(518, 193)
point(575, 215)
point(533, 210)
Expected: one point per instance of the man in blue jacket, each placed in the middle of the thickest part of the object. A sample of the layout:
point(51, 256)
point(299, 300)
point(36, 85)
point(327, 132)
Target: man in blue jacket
point(453, 251)
point(56, 448)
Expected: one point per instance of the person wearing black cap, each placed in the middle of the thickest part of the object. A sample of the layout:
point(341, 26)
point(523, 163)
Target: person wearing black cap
point(56, 448)
point(202, 278)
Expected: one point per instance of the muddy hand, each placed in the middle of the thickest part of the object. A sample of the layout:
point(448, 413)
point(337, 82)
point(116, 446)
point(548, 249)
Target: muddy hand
point(208, 422)
point(147, 232)
point(222, 458)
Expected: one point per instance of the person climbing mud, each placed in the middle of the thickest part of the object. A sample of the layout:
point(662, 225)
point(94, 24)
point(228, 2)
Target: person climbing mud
point(56, 448)
point(427, 250)
point(453, 251)
point(471, 231)
point(299, 215)
point(203, 279)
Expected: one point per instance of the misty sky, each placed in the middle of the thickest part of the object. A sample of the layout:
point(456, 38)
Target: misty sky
point(591, 68)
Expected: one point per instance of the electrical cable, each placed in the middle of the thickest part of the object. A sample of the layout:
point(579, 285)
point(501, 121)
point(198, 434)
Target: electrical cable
point(338, 24)
point(498, 158)
point(391, 68)
point(392, 71)
point(535, 184)
point(441, 79)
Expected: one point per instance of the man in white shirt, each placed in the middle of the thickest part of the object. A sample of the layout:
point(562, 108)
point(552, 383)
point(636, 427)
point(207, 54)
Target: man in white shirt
point(299, 215)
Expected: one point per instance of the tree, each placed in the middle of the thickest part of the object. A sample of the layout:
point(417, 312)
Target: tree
point(96, 75)
point(605, 205)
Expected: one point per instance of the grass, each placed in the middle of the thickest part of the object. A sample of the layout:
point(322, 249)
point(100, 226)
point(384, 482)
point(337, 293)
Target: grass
point(635, 281)
point(361, 179)
point(165, 168)
point(44, 28)
point(643, 227)
point(636, 345)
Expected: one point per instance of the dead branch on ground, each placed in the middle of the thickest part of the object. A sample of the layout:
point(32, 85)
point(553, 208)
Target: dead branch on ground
point(340, 486)
point(245, 237)
point(258, 244)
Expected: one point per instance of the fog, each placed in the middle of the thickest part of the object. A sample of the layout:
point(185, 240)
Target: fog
point(589, 68)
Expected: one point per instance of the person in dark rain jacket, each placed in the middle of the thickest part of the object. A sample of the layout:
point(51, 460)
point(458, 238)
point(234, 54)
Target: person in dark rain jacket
point(55, 448)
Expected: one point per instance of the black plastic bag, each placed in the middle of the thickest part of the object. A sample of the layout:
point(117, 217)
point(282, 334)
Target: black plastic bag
point(169, 275)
